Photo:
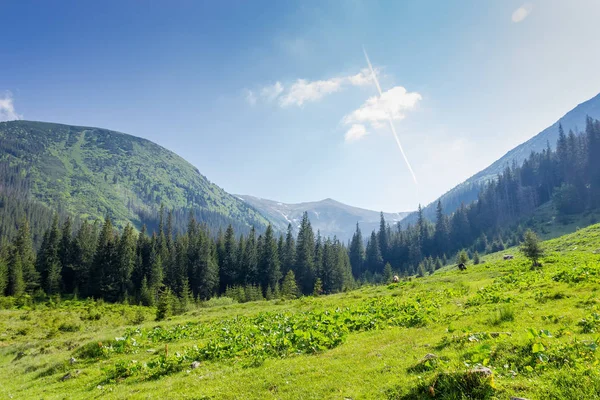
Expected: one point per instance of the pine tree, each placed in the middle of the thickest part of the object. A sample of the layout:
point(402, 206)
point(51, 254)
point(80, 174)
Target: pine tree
point(318, 289)
point(305, 252)
point(24, 247)
point(289, 259)
point(3, 275)
point(269, 268)
point(476, 259)
point(442, 232)
point(250, 263)
point(155, 277)
point(228, 266)
point(531, 247)
point(357, 253)
point(125, 262)
point(374, 259)
point(103, 261)
point(49, 261)
point(146, 297)
point(16, 281)
point(65, 255)
point(462, 257)
point(388, 274)
point(164, 308)
point(289, 288)
point(383, 239)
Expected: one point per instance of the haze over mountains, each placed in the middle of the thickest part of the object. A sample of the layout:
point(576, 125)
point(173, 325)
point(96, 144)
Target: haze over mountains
point(328, 216)
point(468, 190)
point(93, 172)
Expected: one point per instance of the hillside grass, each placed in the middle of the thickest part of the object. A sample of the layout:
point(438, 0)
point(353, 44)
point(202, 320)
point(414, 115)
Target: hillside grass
point(535, 329)
point(92, 172)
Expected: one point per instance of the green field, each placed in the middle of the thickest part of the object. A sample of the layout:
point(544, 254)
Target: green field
point(535, 329)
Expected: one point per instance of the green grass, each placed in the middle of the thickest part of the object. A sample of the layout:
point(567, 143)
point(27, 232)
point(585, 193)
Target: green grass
point(535, 329)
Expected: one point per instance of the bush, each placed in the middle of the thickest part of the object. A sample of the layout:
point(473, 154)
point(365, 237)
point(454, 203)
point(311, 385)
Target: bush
point(449, 385)
point(503, 314)
point(69, 327)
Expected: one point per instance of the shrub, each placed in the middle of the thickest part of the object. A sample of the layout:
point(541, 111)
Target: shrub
point(69, 327)
point(502, 314)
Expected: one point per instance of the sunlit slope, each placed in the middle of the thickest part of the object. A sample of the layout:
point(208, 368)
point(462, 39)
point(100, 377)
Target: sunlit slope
point(535, 329)
point(91, 172)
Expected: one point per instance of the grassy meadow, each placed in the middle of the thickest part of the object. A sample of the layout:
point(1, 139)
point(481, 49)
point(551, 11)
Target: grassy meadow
point(499, 329)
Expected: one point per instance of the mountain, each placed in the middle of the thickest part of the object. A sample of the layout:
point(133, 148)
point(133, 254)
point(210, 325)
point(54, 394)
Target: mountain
point(328, 216)
point(467, 191)
point(91, 172)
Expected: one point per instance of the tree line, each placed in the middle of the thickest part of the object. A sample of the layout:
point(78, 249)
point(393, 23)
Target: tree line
point(568, 178)
point(96, 260)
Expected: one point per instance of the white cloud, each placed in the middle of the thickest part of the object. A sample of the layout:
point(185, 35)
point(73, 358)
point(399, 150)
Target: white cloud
point(356, 132)
point(363, 78)
point(304, 91)
point(7, 108)
point(522, 12)
point(271, 92)
point(393, 103)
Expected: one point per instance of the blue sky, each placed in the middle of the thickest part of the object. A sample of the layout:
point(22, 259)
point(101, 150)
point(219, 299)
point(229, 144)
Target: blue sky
point(273, 98)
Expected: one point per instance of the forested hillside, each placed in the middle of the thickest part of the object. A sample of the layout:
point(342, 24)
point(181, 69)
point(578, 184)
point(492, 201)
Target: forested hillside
point(97, 260)
point(567, 179)
point(90, 173)
point(466, 192)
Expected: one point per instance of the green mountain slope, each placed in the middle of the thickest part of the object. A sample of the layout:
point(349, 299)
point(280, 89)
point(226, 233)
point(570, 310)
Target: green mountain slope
point(468, 190)
point(91, 172)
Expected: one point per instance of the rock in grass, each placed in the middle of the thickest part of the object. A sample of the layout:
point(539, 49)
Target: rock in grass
point(483, 371)
point(72, 360)
point(67, 376)
point(429, 356)
point(518, 398)
point(195, 364)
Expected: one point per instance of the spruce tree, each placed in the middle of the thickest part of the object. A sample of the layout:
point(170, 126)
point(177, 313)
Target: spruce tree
point(374, 259)
point(462, 257)
point(24, 246)
point(3, 275)
point(289, 259)
point(531, 247)
point(164, 308)
point(383, 239)
point(357, 253)
point(16, 281)
point(269, 268)
point(65, 255)
point(289, 288)
point(388, 274)
point(318, 289)
point(227, 257)
point(146, 297)
point(305, 252)
point(49, 261)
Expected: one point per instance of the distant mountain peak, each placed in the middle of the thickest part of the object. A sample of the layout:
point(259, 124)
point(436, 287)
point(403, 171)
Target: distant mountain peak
point(329, 216)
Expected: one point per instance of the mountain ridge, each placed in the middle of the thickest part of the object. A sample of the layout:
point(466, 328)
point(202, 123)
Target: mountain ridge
point(329, 216)
point(467, 191)
point(93, 172)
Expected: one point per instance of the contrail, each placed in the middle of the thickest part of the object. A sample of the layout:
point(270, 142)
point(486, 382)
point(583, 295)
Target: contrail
point(390, 119)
